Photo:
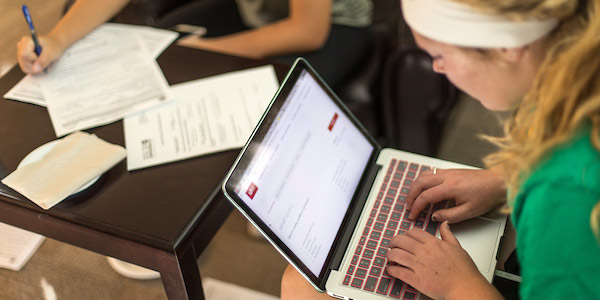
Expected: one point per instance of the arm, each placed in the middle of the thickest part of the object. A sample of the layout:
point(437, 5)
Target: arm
point(305, 29)
point(475, 192)
point(83, 17)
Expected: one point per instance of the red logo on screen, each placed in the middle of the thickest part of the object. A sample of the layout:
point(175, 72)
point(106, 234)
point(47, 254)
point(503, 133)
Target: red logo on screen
point(332, 123)
point(252, 190)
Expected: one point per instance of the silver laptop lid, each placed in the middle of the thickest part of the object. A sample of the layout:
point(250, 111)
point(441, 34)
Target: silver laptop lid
point(298, 175)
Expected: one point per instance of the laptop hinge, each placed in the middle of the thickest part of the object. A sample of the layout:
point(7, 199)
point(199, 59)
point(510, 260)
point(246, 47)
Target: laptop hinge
point(357, 209)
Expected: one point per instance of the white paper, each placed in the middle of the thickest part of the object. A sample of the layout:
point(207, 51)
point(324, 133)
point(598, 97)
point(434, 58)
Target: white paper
point(17, 246)
point(207, 115)
point(102, 78)
point(155, 41)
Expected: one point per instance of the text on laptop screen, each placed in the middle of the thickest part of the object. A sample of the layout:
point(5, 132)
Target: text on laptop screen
point(305, 172)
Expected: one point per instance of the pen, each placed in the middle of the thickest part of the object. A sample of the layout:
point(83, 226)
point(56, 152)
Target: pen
point(38, 48)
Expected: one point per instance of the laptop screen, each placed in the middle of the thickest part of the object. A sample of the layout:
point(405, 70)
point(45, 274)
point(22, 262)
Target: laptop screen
point(300, 171)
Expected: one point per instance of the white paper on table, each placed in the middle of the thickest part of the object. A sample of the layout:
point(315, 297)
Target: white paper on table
point(207, 115)
point(17, 246)
point(155, 41)
point(101, 79)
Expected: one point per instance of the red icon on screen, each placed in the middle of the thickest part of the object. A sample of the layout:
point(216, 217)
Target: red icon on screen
point(251, 190)
point(332, 123)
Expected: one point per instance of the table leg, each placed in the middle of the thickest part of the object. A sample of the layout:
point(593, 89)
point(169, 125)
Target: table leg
point(181, 277)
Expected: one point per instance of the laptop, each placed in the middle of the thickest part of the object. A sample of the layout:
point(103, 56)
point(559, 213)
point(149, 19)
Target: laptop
point(330, 199)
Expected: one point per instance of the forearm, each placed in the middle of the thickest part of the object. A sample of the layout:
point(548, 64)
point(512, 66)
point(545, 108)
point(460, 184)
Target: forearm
point(305, 29)
point(83, 17)
point(478, 289)
point(275, 39)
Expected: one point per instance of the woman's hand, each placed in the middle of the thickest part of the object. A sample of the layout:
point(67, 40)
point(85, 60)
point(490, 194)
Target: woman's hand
point(474, 192)
point(440, 269)
point(29, 62)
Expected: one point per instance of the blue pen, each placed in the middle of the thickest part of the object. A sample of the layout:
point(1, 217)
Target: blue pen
point(38, 48)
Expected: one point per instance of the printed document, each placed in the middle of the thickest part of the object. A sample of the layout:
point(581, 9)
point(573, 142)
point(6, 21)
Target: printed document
point(206, 116)
point(17, 246)
point(155, 41)
point(102, 78)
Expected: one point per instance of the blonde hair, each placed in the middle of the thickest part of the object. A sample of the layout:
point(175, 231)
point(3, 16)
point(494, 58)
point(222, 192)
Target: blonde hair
point(565, 93)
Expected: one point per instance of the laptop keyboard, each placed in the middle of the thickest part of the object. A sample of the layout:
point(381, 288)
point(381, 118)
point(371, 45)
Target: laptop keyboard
point(387, 219)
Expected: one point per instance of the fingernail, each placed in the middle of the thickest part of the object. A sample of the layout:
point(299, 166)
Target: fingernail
point(434, 218)
point(37, 68)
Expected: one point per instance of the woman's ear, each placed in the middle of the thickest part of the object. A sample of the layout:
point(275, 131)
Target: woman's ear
point(513, 55)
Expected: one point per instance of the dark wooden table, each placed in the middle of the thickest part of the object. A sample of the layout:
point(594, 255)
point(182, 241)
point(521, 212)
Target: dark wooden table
point(161, 218)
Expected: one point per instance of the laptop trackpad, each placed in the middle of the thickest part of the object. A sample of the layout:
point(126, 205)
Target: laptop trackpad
point(479, 237)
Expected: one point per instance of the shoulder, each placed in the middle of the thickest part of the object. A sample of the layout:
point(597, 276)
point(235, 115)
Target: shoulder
point(552, 217)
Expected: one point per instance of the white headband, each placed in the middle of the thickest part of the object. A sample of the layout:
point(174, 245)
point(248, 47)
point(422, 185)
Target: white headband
point(458, 24)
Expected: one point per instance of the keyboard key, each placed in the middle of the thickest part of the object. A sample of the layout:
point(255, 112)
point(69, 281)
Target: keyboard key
point(361, 273)
point(385, 208)
point(384, 285)
point(396, 215)
point(410, 175)
point(405, 191)
point(368, 253)
point(382, 252)
point(419, 223)
point(402, 199)
point(370, 222)
point(385, 242)
point(414, 166)
point(401, 165)
point(370, 284)
point(405, 225)
point(398, 176)
point(391, 192)
point(395, 184)
point(346, 280)
point(354, 259)
point(399, 207)
point(366, 231)
point(389, 233)
point(372, 244)
point(378, 226)
point(375, 235)
point(375, 271)
point(432, 227)
point(388, 200)
point(364, 263)
point(357, 282)
point(382, 217)
point(409, 295)
point(379, 261)
point(358, 250)
point(392, 224)
point(362, 240)
point(407, 182)
point(396, 288)
point(350, 270)
point(387, 178)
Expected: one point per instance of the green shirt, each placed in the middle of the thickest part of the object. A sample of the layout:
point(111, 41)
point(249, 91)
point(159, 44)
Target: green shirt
point(558, 252)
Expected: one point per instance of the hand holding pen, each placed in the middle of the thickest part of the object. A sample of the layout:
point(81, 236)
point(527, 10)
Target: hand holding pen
point(30, 56)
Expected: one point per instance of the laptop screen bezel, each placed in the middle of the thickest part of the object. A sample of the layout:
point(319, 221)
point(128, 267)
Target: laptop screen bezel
point(300, 65)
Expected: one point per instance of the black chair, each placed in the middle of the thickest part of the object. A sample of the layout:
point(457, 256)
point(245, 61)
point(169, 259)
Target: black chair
point(416, 102)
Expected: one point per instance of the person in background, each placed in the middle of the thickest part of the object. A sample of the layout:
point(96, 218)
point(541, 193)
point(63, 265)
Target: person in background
point(332, 34)
point(540, 59)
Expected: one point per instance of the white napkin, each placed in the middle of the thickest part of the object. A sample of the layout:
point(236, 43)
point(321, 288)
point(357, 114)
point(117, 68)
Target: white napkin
point(74, 161)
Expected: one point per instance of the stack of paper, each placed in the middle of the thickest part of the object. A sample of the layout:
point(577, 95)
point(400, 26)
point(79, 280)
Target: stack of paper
point(107, 75)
